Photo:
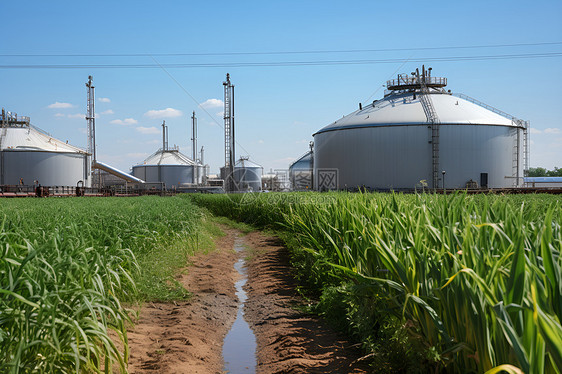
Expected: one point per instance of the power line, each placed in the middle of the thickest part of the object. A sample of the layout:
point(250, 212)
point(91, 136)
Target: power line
point(194, 100)
point(277, 52)
point(283, 63)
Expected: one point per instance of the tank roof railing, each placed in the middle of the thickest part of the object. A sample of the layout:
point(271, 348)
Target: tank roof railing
point(410, 82)
point(10, 119)
point(515, 120)
point(174, 148)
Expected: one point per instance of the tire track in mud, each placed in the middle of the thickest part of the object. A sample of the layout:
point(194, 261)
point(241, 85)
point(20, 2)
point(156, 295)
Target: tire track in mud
point(187, 336)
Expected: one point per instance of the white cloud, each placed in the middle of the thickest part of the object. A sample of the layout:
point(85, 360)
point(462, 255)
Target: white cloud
point(535, 131)
point(212, 103)
point(60, 115)
point(148, 130)
point(552, 130)
point(109, 111)
point(124, 122)
point(260, 141)
point(57, 105)
point(221, 114)
point(164, 113)
point(302, 141)
point(104, 99)
point(77, 115)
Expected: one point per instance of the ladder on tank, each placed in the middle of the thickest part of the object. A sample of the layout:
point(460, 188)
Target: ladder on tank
point(4, 128)
point(433, 120)
point(520, 148)
point(515, 157)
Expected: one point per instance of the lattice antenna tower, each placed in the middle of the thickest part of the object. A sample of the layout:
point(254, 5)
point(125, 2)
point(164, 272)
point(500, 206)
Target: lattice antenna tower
point(194, 148)
point(91, 120)
point(229, 151)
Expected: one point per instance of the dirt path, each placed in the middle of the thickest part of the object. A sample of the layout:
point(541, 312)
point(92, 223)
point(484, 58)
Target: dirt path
point(288, 340)
point(187, 337)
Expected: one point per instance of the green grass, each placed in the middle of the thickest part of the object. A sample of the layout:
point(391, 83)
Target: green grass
point(67, 265)
point(453, 283)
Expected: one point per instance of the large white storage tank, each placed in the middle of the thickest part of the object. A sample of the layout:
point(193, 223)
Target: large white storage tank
point(419, 134)
point(31, 154)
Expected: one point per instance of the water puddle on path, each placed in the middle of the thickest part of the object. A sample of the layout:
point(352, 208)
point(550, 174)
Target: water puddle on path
point(239, 348)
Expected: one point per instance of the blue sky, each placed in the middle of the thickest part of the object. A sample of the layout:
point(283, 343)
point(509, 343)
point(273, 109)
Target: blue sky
point(278, 108)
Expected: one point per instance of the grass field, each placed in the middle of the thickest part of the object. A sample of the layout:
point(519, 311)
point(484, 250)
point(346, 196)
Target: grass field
point(67, 265)
point(456, 283)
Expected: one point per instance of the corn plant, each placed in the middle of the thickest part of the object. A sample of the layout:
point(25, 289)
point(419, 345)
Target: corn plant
point(66, 266)
point(478, 278)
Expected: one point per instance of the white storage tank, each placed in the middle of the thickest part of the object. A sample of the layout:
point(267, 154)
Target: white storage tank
point(30, 154)
point(421, 135)
point(247, 175)
point(170, 167)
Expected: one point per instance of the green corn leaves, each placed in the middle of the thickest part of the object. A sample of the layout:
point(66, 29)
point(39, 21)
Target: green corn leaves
point(65, 267)
point(478, 276)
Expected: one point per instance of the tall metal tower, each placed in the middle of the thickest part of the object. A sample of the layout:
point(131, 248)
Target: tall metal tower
point(229, 154)
point(91, 130)
point(194, 148)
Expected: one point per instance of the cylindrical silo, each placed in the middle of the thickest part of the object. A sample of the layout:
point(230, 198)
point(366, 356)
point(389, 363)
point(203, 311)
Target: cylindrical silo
point(421, 135)
point(247, 175)
point(300, 173)
point(170, 167)
point(33, 156)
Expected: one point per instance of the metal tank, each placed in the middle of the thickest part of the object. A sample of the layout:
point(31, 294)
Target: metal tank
point(30, 154)
point(170, 167)
point(247, 175)
point(419, 135)
point(300, 173)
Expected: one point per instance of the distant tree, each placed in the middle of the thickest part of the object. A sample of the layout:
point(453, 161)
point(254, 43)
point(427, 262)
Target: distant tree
point(554, 173)
point(542, 172)
point(537, 172)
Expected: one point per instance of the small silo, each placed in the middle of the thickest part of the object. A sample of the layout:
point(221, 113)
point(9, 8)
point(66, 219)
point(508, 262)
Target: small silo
point(30, 154)
point(247, 175)
point(420, 134)
point(169, 166)
point(300, 173)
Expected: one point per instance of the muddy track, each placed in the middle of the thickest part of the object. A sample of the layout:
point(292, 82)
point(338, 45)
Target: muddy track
point(289, 341)
point(187, 337)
